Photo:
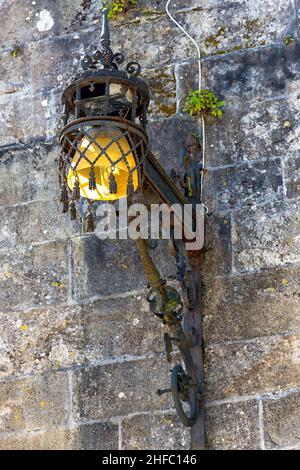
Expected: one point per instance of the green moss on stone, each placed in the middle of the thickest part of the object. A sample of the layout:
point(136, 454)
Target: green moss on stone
point(252, 25)
point(238, 48)
point(211, 41)
point(214, 40)
point(150, 12)
point(16, 51)
point(167, 109)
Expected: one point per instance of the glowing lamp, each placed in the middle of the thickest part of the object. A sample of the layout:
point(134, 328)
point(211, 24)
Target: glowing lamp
point(103, 139)
point(104, 173)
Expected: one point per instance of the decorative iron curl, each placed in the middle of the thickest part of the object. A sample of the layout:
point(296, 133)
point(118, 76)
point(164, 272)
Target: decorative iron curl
point(107, 59)
point(104, 55)
point(117, 59)
point(87, 63)
point(134, 69)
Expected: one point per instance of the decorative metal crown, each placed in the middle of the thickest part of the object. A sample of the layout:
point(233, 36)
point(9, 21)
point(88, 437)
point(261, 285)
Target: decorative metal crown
point(104, 57)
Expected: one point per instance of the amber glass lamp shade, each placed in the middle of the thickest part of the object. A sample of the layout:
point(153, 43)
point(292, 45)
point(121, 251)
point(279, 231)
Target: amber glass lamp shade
point(109, 154)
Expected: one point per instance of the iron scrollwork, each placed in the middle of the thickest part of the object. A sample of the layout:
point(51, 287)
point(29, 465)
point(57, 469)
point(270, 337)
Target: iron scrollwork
point(184, 272)
point(133, 69)
point(167, 304)
point(172, 308)
point(104, 56)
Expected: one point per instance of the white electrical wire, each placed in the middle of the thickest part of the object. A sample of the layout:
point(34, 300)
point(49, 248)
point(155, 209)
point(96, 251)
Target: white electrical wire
point(200, 87)
point(191, 39)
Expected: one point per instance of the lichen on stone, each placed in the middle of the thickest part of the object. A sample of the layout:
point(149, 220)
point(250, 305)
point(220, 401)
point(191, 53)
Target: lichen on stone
point(45, 22)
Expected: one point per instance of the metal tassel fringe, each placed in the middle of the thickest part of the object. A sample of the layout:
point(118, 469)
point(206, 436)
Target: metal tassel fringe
point(65, 206)
point(90, 226)
point(92, 180)
point(113, 189)
point(64, 193)
point(72, 208)
point(130, 188)
point(64, 198)
point(76, 191)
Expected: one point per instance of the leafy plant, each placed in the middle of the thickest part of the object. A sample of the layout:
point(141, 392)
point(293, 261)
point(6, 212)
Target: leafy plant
point(115, 7)
point(203, 103)
point(288, 40)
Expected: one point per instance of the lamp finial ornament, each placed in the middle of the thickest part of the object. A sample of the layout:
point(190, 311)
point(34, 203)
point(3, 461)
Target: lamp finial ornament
point(104, 56)
point(105, 33)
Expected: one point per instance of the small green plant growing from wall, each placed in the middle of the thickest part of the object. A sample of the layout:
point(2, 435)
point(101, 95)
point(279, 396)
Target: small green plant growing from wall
point(203, 103)
point(115, 7)
point(288, 40)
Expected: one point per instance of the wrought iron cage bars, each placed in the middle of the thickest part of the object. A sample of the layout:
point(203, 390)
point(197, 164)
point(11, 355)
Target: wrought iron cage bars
point(104, 111)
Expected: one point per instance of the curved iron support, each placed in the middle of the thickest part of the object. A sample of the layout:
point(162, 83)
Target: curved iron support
point(167, 304)
point(181, 314)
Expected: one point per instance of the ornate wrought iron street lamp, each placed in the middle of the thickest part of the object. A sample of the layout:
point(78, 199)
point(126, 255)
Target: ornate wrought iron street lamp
point(103, 141)
point(105, 157)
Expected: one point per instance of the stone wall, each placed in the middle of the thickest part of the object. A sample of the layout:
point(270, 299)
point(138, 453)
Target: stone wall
point(80, 355)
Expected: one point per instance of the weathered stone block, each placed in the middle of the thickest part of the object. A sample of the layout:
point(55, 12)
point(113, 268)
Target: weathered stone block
point(46, 21)
point(61, 60)
point(292, 177)
point(252, 305)
point(245, 185)
point(157, 41)
point(254, 367)
point(162, 86)
point(167, 140)
point(254, 124)
point(24, 118)
point(266, 236)
point(63, 336)
point(94, 263)
point(238, 25)
point(217, 254)
point(258, 74)
point(34, 276)
point(36, 222)
point(28, 174)
point(34, 403)
point(120, 327)
point(233, 426)
point(27, 21)
point(100, 436)
point(154, 432)
point(221, 28)
point(121, 388)
point(160, 6)
point(39, 340)
point(250, 131)
point(282, 421)
point(12, 72)
point(54, 439)
point(245, 75)
point(187, 79)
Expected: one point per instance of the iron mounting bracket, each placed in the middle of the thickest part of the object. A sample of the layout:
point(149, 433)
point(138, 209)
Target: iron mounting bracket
point(181, 312)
